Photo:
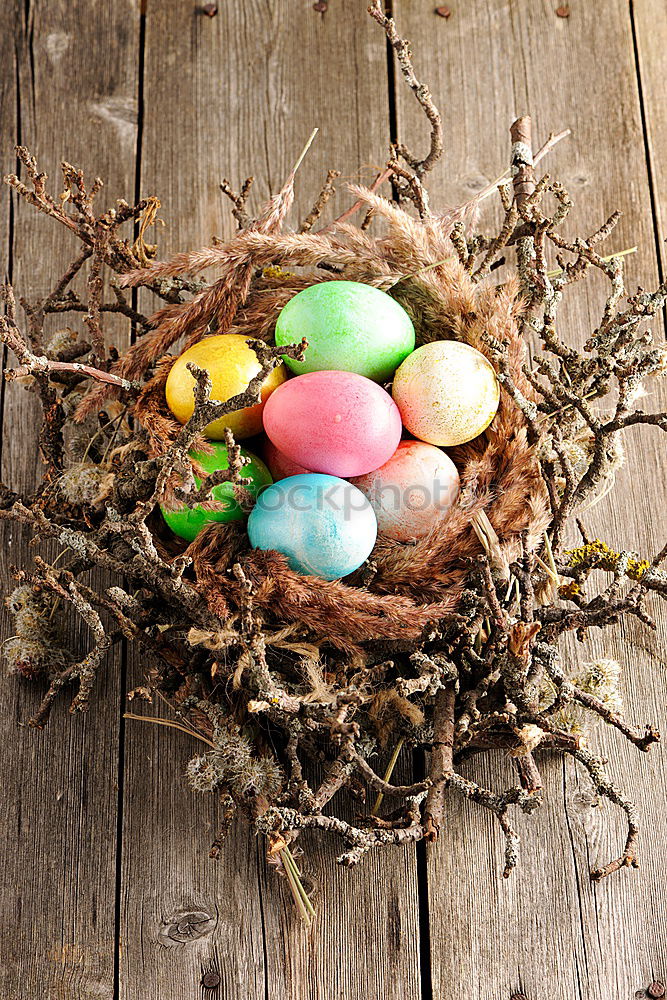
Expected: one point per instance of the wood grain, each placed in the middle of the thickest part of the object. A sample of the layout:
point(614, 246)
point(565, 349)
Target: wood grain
point(223, 97)
point(75, 99)
point(649, 21)
point(547, 931)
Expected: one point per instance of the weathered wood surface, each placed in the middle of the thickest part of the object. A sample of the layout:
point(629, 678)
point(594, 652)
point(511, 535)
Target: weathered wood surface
point(548, 932)
point(260, 77)
point(239, 93)
point(72, 66)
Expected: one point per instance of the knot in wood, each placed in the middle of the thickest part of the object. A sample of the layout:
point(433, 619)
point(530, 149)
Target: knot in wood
point(186, 926)
point(210, 980)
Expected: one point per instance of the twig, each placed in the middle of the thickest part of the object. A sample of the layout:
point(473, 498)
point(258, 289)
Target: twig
point(442, 757)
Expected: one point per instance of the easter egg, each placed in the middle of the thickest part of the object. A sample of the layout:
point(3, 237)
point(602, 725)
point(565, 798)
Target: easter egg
point(231, 364)
point(280, 466)
point(447, 392)
point(410, 492)
point(325, 526)
point(336, 422)
point(349, 327)
point(187, 522)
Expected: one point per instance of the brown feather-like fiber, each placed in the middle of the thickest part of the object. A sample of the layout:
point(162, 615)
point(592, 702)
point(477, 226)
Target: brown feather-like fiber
point(329, 611)
point(410, 584)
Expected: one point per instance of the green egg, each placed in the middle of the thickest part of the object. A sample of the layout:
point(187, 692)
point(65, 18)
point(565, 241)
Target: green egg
point(349, 327)
point(187, 522)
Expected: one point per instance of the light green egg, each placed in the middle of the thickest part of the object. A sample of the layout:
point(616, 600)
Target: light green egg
point(349, 327)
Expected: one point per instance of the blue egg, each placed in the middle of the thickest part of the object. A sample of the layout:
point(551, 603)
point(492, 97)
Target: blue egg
point(324, 525)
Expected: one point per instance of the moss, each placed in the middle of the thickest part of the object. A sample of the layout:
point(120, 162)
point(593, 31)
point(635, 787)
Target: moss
point(60, 341)
point(598, 555)
point(36, 650)
point(85, 483)
point(232, 767)
point(275, 273)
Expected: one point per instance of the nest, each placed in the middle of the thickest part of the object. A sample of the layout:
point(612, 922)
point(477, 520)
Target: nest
point(447, 645)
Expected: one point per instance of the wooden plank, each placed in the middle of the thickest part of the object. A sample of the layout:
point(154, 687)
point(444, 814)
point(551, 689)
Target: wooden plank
point(649, 19)
point(226, 96)
point(8, 108)
point(547, 931)
point(76, 100)
point(365, 942)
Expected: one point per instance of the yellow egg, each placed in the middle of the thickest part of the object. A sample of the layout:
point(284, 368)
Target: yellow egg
point(447, 393)
point(231, 364)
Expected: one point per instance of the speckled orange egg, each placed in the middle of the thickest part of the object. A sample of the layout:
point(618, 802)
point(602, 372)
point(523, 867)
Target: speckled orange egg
point(447, 393)
point(413, 490)
point(231, 364)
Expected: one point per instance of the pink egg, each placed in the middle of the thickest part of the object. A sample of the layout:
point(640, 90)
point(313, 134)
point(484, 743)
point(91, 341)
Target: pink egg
point(410, 492)
point(339, 423)
point(280, 466)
